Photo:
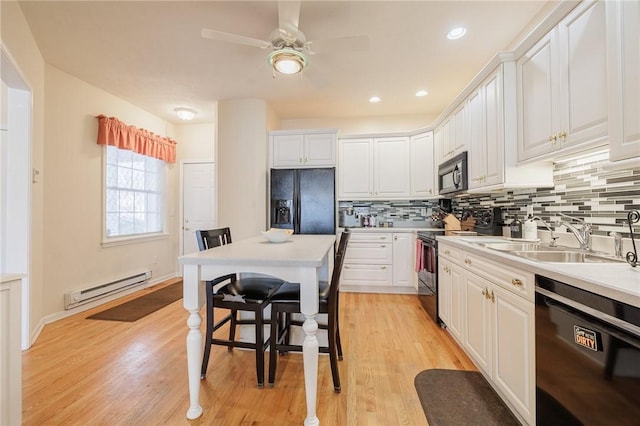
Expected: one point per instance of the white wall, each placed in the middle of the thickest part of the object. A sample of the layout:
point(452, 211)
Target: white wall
point(74, 256)
point(20, 46)
point(242, 166)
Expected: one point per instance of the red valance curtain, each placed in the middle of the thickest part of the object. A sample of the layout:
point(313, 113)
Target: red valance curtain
point(112, 131)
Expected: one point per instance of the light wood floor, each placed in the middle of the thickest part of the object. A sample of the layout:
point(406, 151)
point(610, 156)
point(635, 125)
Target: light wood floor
point(88, 372)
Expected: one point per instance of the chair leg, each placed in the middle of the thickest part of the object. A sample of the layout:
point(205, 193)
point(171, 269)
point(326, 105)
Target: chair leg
point(333, 356)
point(232, 328)
point(260, 347)
point(209, 337)
point(338, 341)
point(273, 342)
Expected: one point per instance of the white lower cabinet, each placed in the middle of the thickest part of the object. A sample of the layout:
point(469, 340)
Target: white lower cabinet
point(495, 322)
point(379, 262)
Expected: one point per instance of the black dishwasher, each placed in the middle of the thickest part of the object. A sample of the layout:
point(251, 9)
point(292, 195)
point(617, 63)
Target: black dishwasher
point(587, 357)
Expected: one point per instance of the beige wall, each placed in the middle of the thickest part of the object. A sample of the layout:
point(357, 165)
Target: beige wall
point(361, 125)
point(242, 166)
point(22, 50)
point(74, 255)
point(195, 142)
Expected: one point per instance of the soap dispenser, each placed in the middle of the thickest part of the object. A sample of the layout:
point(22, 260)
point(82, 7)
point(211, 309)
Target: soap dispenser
point(530, 229)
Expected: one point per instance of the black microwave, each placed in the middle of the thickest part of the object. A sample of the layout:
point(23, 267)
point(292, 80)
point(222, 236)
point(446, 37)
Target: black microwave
point(452, 175)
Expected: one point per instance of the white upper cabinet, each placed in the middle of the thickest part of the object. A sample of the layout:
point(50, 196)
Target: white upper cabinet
point(562, 87)
point(374, 168)
point(303, 149)
point(453, 135)
point(623, 49)
point(422, 170)
point(491, 118)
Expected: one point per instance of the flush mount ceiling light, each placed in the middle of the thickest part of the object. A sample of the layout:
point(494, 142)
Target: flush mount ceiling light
point(374, 99)
point(185, 113)
point(421, 93)
point(456, 33)
point(287, 61)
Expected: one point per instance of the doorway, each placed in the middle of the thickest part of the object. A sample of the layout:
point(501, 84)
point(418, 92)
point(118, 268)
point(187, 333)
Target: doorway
point(16, 177)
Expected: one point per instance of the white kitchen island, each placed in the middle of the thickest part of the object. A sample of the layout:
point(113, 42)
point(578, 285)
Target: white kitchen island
point(305, 259)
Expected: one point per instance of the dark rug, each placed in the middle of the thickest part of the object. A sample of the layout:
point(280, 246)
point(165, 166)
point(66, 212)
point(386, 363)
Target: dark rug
point(456, 398)
point(142, 306)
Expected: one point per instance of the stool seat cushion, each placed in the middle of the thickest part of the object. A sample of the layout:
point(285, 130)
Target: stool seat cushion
point(254, 289)
point(290, 292)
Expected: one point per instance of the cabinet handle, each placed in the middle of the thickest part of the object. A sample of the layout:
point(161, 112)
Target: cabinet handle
point(492, 297)
point(447, 252)
point(553, 138)
point(563, 135)
point(430, 191)
point(395, 237)
point(383, 267)
point(516, 281)
point(467, 261)
point(484, 292)
point(346, 266)
point(383, 246)
point(383, 238)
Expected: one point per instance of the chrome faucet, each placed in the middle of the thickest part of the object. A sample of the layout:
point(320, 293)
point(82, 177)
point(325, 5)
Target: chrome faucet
point(583, 235)
point(552, 243)
point(617, 243)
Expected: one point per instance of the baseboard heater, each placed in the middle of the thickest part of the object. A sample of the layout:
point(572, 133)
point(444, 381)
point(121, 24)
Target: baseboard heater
point(80, 297)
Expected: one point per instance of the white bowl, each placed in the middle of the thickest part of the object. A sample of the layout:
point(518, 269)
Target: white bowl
point(277, 235)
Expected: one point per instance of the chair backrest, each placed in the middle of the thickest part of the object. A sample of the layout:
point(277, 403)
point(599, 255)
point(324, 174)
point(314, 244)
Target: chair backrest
point(213, 238)
point(337, 266)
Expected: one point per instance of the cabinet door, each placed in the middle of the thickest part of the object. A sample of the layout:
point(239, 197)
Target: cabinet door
point(403, 258)
point(478, 321)
point(494, 129)
point(444, 290)
point(391, 167)
point(320, 150)
point(514, 349)
point(477, 140)
point(369, 253)
point(457, 310)
point(356, 275)
point(438, 149)
point(460, 136)
point(288, 150)
point(537, 92)
point(422, 166)
point(583, 72)
point(356, 168)
point(623, 50)
point(448, 134)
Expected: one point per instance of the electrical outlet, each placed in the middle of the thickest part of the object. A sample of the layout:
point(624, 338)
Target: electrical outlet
point(155, 260)
point(529, 210)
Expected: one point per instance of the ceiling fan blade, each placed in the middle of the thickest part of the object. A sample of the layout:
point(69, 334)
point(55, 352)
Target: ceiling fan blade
point(234, 38)
point(289, 16)
point(338, 45)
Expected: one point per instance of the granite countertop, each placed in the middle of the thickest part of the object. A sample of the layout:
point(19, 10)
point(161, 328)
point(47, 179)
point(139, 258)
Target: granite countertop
point(618, 281)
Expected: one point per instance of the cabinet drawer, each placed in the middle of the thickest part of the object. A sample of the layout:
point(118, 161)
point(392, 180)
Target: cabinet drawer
point(455, 254)
point(355, 274)
point(373, 237)
point(514, 280)
point(376, 253)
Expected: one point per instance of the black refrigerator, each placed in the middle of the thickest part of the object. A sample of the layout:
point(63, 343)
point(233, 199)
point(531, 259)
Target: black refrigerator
point(304, 200)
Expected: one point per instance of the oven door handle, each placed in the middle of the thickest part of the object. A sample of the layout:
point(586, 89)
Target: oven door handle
point(601, 316)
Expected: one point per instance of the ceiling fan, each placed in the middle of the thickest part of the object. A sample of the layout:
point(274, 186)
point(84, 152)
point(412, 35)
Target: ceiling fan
point(289, 46)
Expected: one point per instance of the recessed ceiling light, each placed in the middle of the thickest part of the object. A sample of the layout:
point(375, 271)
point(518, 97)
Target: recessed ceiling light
point(374, 99)
point(456, 33)
point(421, 93)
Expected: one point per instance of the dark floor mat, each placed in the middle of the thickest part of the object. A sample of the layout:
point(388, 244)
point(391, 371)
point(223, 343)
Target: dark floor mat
point(459, 398)
point(142, 306)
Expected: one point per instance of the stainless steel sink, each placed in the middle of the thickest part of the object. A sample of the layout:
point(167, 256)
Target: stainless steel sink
point(515, 246)
point(566, 257)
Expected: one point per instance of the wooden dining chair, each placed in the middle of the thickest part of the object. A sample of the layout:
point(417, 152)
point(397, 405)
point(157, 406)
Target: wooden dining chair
point(286, 301)
point(235, 294)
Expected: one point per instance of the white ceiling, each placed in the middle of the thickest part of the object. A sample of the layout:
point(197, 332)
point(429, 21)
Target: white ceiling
point(151, 53)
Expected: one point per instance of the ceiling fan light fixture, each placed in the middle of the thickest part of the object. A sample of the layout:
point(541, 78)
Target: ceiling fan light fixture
point(185, 114)
point(287, 61)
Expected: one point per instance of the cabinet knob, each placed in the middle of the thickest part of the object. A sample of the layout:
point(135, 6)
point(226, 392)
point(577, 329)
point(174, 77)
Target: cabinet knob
point(516, 281)
point(553, 138)
point(563, 135)
point(306, 159)
point(467, 261)
point(492, 297)
point(395, 237)
point(383, 267)
point(484, 292)
point(447, 252)
point(430, 191)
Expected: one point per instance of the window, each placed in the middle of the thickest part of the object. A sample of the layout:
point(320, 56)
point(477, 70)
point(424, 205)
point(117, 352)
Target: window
point(134, 194)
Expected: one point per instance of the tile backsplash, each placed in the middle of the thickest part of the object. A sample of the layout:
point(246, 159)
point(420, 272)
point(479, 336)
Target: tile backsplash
point(590, 188)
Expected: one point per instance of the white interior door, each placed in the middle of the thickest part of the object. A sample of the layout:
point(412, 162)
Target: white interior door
point(199, 209)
